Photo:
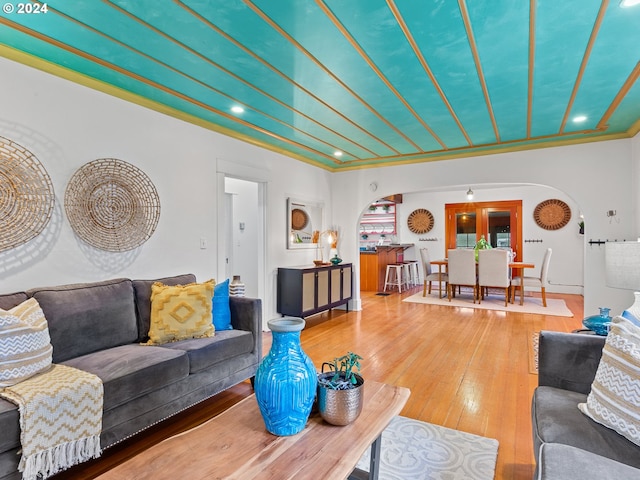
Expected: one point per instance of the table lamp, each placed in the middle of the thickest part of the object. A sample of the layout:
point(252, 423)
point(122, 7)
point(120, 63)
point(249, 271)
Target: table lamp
point(622, 267)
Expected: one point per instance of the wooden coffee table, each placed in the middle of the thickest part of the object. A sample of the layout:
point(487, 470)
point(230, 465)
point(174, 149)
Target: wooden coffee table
point(236, 445)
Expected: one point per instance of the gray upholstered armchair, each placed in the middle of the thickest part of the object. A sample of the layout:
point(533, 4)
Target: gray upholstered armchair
point(567, 443)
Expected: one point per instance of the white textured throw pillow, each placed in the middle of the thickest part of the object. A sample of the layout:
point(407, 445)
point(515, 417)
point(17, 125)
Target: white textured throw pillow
point(614, 400)
point(25, 346)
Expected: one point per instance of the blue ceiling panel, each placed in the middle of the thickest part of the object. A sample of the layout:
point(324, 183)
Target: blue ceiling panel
point(441, 37)
point(562, 36)
point(613, 53)
point(360, 93)
point(398, 65)
point(501, 32)
point(382, 81)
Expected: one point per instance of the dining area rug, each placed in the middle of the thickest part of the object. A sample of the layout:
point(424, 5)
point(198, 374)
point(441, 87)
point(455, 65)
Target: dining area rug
point(415, 450)
point(555, 307)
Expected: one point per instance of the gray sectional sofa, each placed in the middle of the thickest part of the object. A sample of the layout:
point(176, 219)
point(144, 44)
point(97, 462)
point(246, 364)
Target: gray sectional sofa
point(569, 445)
point(98, 327)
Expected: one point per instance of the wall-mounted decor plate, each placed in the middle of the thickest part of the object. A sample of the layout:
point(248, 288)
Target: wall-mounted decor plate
point(420, 221)
point(112, 205)
point(299, 219)
point(552, 214)
point(26, 195)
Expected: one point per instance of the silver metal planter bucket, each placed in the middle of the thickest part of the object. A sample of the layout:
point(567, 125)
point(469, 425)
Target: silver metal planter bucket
point(340, 407)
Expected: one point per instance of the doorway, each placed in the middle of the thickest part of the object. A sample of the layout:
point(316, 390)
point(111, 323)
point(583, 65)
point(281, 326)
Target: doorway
point(244, 233)
point(499, 222)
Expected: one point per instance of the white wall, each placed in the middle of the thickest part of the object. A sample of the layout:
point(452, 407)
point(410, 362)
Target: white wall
point(67, 125)
point(596, 177)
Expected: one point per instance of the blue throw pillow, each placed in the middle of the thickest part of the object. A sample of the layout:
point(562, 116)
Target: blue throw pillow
point(220, 310)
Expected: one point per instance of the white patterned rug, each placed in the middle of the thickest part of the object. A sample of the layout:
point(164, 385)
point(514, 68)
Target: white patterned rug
point(412, 449)
point(555, 307)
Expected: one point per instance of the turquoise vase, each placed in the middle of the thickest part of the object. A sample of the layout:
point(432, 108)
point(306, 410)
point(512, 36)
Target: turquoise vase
point(599, 324)
point(286, 380)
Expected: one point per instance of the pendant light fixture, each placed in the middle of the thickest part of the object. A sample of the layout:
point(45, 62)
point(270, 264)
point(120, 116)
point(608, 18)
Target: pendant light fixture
point(469, 194)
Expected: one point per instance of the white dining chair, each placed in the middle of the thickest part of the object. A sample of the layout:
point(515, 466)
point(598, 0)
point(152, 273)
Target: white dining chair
point(462, 271)
point(540, 282)
point(493, 272)
point(431, 276)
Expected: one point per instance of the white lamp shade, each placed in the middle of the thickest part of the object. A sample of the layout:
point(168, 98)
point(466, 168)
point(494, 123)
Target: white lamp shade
point(622, 263)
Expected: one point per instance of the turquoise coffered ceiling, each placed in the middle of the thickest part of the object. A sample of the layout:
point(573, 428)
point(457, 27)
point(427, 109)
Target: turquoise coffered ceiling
point(382, 82)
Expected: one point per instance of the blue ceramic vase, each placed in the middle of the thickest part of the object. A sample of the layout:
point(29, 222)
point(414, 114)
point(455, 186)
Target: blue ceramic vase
point(286, 380)
point(599, 324)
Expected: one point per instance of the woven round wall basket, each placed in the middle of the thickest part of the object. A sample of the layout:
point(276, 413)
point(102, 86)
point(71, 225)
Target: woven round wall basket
point(112, 205)
point(26, 195)
point(552, 214)
point(420, 221)
point(299, 219)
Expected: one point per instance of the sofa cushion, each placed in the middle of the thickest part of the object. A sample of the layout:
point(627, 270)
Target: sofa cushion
point(9, 425)
point(614, 400)
point(205, 352)
point(84, 318)
point(142, 289)
point(221, 310)
point(556, 419)
point(562, 462)
point(10, 300)
point(130, 371)
point(181, 311)
point(25, 346)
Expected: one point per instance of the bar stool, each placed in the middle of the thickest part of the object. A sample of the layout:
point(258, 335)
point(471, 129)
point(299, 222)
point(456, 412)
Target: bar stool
point(411, 271)
point(394, 276)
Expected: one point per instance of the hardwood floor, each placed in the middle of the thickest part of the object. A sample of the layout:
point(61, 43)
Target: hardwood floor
point(467, 370)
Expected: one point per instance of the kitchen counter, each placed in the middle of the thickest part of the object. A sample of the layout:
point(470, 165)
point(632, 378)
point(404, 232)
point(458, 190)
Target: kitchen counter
point(373, 264)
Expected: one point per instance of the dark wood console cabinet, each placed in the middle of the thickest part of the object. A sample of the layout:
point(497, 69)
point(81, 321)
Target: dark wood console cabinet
point(305, 291)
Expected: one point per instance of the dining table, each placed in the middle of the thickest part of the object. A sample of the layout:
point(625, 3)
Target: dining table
point(514, 266)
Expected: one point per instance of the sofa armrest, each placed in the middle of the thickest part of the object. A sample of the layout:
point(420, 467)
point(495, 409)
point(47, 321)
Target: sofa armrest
point(246, 314)
point(568, 360)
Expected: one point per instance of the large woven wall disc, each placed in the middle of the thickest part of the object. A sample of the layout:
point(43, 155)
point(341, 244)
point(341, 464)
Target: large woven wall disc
point(26, 195)
point(112, 205)
point(420, 221)
point(552, 214)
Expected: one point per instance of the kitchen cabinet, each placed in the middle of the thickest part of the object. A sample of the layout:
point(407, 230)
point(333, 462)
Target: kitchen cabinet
point(307, 290)
point(373, 265)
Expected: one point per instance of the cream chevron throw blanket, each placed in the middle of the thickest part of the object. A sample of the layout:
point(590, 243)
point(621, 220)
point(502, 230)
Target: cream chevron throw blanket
point(60, 419)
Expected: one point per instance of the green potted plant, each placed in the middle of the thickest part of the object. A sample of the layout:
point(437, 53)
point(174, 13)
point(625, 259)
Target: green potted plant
point(481, 244)
point(340, 392)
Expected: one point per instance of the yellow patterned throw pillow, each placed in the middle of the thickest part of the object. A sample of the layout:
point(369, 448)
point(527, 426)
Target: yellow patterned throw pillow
point(25, 346)
point(180, 312)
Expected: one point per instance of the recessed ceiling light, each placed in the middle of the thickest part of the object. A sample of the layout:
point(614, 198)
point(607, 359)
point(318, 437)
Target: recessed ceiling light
point(337, 153)
point(237, 109)
point(629, 3)
point(579, 118)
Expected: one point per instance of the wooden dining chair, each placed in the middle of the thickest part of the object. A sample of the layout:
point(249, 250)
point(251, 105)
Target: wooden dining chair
point(540, 282)
point(462, 271)
point(493, 271)
point(431, 276)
